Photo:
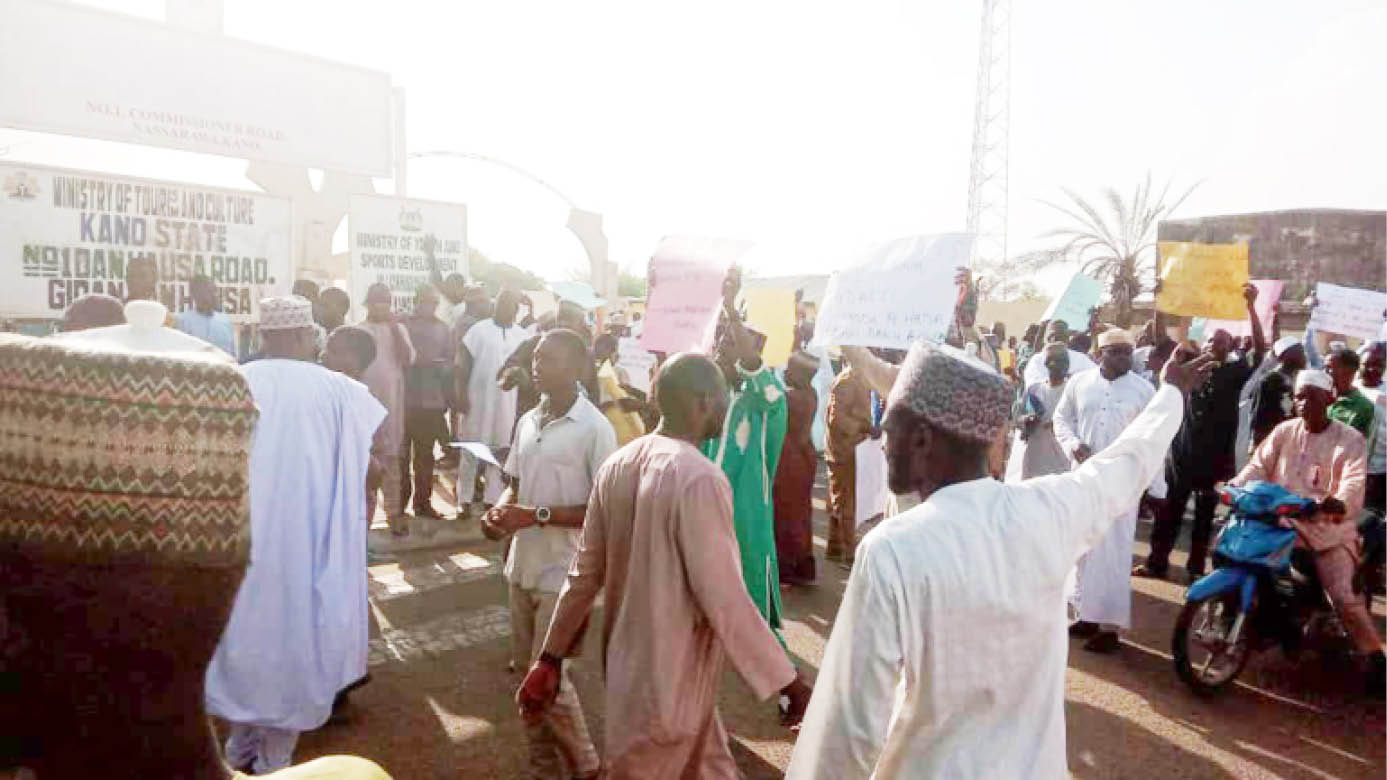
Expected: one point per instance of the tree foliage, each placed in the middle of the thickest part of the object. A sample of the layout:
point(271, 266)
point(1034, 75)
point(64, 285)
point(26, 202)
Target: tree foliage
point(493, 275)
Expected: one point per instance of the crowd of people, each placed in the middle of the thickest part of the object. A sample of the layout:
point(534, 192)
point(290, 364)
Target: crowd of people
point(1011, 464)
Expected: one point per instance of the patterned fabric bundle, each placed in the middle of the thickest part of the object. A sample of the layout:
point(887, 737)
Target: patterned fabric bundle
point(119, 457)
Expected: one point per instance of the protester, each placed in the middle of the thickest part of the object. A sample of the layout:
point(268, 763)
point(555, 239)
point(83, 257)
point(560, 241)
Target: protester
point(1275, 398)
point(1374, 355)
point(621, 410)
point(110, 605)
point(333, 306)
point(141, 279)
point(963, 329)
point(1034, 371)
point(349, 350)
point(947, 657)
point(1203, 452)
point(749, 450)
point(1317, 457)
point(297, 633)
point(308, 289)
point(1350, 406)
point(1094, 410)
point(385, 377)
point(1037, 450)
point(849, 423)
point(428, 394)
point(558, 447)
point(487, 411)
point(203, 321)
point(93, 310)
point(659, 541)
point(793, 492)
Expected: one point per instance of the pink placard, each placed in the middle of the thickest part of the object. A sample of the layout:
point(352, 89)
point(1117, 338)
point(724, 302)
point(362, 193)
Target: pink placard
point(686, 289)
point(1268, 293)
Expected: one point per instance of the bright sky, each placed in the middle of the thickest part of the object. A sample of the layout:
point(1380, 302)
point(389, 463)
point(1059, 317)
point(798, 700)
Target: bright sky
point(806, 126)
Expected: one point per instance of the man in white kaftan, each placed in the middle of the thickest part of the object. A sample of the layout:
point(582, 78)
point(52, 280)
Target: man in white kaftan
point(488, 412)
point(298, 631)
point(948, 654)
point(1096, 407)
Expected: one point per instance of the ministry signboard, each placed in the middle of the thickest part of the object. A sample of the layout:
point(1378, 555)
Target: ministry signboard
point(67, 68)
point(386, 236)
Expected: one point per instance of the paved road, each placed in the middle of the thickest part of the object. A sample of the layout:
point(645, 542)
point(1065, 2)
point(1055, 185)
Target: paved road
point(440, 704)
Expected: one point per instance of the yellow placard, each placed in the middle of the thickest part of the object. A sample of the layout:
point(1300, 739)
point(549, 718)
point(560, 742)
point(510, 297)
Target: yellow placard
point(1202, 280)
point(772, 311)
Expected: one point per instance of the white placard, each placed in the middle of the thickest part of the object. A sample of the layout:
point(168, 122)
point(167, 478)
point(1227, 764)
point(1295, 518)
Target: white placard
point(68, 68)
point(894, 294)
point(1351, 311)
point(386, 237)
point(66, 233)
point(871, 480)
point(636, 362)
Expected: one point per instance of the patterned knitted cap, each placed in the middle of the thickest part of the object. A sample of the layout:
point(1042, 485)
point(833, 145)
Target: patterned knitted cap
point(285, 312)
point(953, 391)
point(121, 457)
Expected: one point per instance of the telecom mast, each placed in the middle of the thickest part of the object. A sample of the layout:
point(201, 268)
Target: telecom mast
point(987, 180)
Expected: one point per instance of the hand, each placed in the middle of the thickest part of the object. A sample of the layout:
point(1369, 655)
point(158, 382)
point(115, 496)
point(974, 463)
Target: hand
point(1030, 421)
point(511, 377)
point(508, 518)
point(1250, 293)
point(799, 694)
point(1185, 374)
point(629, 405)
point(1082, 453)
point(537, 691)
point(731, 285)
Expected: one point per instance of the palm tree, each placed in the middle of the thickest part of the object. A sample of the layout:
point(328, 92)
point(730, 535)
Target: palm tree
point(1117, 248)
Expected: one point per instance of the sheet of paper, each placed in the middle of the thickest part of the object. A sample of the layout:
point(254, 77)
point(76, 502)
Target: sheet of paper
point(1072, 307)
point(894, 294)
point(771, 311)
point(1202, 280)
point(478, 450)
point(1351, 311)
point(637, 362)
point(1268, 293)
point(685, 278)
point(871, 480)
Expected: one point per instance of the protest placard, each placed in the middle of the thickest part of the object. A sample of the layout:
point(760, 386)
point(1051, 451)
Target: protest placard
point(386, 237)
point(685, 280)
point(870, 481)
point(1268, 293)
point(636, 361)
point(1202, 280)
point(771, 310)
point(1073, 306)
point(1351, 311)
point(894, 294)
point(67, 233)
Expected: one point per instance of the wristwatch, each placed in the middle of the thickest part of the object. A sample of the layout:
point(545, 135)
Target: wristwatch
point(542, 515)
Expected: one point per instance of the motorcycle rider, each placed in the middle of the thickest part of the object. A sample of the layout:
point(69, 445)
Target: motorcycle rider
point(1322, 459)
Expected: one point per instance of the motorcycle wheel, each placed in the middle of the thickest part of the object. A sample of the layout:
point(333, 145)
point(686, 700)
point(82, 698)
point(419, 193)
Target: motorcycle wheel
point(1203, 658)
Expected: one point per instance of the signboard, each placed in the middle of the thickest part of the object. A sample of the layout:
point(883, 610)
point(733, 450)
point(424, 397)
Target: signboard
point(1202, 280)
point(68, 68)
point(771, 310)
point(685, 281)
point(386, 236)
point(636, 362)
point(895, 294)
point(1268, 293)
point(1073, 306)
point(1350, 311)
point(67, 233)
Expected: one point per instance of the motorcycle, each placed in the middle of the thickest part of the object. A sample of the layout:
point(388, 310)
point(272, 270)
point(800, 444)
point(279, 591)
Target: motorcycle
point(1262, 592)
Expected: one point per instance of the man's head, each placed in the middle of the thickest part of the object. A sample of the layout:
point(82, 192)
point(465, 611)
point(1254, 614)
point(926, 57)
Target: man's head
point(93, 310)
point(507, 305)
point(425, 301)
point(286, 328)
point(1057, 330)
point(605, 347)
point(1373, 356)
point(476, 302)
point(1290, 352)
point(1314, 392)
point(1056, 361)
point(571, 316)
point(334, 303)
point(349, 350)
point(1219, 344)
point(204, 294)
point(141, 279)
point(944, 412)
point(1115, 352)
point(692, 396)
point(558, 362)
point(1080, 342)
point(454, 286)
point(1342, 366)
point(306, 288)
point(378, 303)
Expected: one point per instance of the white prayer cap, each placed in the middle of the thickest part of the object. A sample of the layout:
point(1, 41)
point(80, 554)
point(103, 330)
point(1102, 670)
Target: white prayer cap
point(1282, 344)
point(1310, 377)
point(285, 312)
point(1113, 336)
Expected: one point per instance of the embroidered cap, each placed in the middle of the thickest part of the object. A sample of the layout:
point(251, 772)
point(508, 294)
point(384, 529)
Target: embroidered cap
point(1113, 336)
point(953, 391)
point(1282, 344)
point(285, 312)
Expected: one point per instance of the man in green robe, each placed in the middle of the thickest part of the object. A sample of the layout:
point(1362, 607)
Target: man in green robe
point(749, 451)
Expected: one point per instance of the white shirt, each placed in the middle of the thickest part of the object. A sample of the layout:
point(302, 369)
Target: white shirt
point(947, 658)
point(1094, 411)
point(1377, 435)
point(555, 466)
point(1036, 373)
point(493, 409)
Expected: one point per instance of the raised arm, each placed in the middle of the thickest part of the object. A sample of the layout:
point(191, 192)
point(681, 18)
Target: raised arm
point(1259, 340)
point(880, 375)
